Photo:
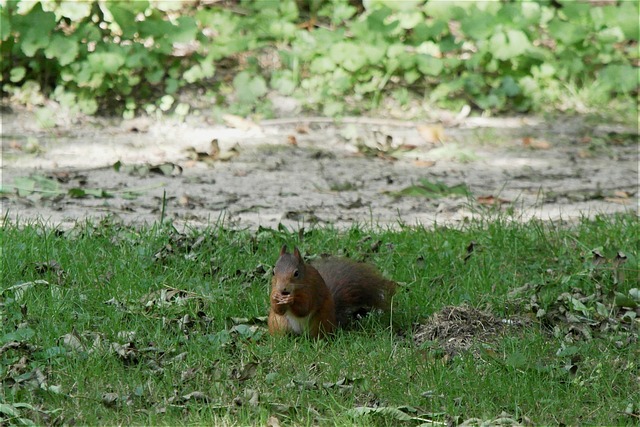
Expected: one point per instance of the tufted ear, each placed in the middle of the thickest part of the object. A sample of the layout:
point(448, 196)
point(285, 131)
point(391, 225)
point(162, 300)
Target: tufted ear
point(283, 250)
point(296, 253)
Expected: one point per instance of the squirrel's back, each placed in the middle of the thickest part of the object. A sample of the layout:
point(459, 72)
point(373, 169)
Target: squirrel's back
point(356, 287)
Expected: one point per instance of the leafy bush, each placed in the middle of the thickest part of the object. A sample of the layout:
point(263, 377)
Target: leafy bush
point(122, 56)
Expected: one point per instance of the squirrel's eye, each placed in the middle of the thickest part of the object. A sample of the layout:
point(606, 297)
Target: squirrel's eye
point(296, 274)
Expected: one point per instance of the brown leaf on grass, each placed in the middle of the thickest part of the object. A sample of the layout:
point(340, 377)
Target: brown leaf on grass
point(127, 352)
point(20, 289)
point(283, 408)
point(250, 397)
point(49, 266)
point(167, 296)
point(72, 341)
point(343, 383)
point(395, 413)
point(431, 133)
point(618, 262)
point(110, 400)
point(117, 304)
point(516, 292)
point(185, 322)
point(597, 258)
point(291, 140)
point(273, 421)
point(14, 345)
point(256, 320)
point(188, 374)
point(303, 384)
point(504, 419)
point(246, 372)
point(196, 396)
point(19, 367)
point(536, 144)
point(19, 377)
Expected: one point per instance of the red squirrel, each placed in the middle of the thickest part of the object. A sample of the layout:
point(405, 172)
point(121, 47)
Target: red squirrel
point(314, 299)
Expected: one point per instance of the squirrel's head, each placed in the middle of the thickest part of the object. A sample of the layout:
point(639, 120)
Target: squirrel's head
point(290, 269)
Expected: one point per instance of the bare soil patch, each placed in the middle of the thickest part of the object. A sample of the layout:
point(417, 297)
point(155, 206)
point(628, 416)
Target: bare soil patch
point(305, 171)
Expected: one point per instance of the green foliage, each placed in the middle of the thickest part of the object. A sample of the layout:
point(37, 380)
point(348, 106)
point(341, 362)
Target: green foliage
point(120, 56)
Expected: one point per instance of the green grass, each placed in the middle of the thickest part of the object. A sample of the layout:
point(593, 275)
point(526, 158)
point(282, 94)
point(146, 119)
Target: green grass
point(100, 289)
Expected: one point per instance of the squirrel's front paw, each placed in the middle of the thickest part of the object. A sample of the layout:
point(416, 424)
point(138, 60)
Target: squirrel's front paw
point(283, 299)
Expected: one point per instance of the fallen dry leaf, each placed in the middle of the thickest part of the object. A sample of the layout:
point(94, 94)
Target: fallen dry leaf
point(617, 200)
point(273, 422)
point(431, 133)
point(291, 140)
point(536, 144)
point(424, 163)
point(127, 353)
point(72, 341)
point(303, 129)
point(188, 374)
point(110, 399)
point(247, 371)
point(491, 200)
point(196, 396)
point(239, 122)
point(597, 257)
point(585, 154)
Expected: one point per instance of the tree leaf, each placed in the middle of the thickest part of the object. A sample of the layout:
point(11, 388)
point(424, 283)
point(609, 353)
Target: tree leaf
point(17, 74)
point(62, 48)
point(509, 44)
point(249, 88)
point(429, 65)
point(107, 62)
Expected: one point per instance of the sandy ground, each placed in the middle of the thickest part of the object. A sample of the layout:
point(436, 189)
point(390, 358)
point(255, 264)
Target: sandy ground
point(301, 172)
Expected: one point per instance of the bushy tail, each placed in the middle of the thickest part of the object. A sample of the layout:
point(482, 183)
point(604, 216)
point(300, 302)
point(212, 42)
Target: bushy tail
point(357, 288)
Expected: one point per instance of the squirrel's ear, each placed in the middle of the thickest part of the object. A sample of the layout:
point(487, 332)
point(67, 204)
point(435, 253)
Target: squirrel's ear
point(283, 250)
point(296, 253)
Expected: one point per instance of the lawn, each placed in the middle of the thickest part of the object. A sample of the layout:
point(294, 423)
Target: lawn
point(111, 324)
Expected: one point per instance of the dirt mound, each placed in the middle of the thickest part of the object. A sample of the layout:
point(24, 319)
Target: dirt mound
point(457, 328)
